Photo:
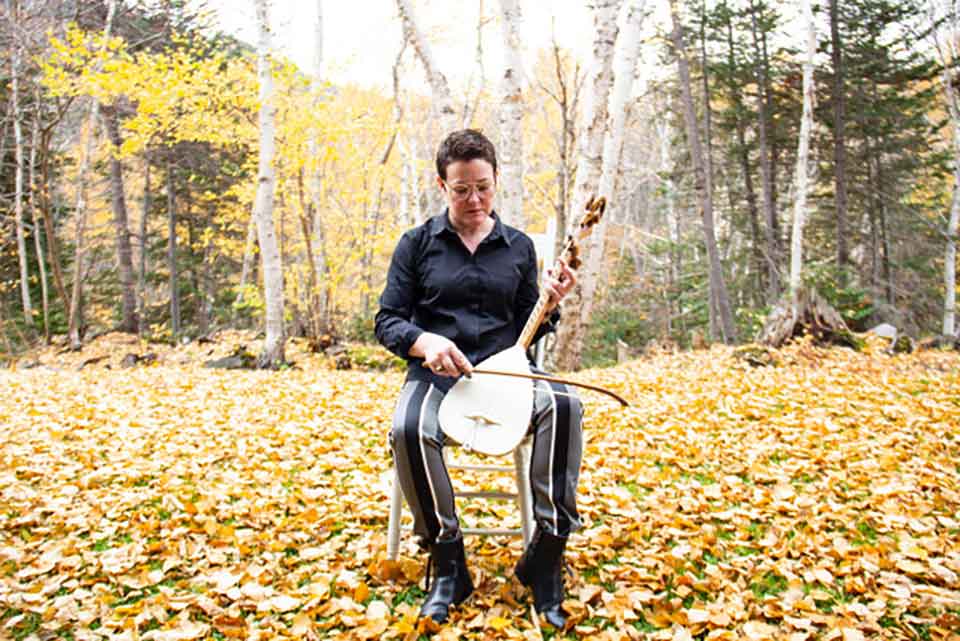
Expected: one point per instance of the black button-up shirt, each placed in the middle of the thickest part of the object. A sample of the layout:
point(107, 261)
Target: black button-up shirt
point(480, 301)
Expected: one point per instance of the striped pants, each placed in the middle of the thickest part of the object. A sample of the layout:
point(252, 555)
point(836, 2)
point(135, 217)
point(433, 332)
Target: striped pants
point(417, 443)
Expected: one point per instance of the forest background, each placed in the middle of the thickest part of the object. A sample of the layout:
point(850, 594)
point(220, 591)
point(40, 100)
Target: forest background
point(163, 178)
point(177, 184)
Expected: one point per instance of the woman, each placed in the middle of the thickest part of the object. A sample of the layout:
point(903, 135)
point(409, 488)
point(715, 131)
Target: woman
point(459, 289)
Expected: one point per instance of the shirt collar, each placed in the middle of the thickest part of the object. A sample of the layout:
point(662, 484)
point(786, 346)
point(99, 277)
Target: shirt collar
point(442, 223)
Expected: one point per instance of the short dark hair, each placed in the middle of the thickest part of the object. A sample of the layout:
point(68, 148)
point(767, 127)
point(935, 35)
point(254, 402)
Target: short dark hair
point(465, 144)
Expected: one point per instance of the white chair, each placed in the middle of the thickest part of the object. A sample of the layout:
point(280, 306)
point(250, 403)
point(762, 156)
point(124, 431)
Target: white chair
point(523, 497)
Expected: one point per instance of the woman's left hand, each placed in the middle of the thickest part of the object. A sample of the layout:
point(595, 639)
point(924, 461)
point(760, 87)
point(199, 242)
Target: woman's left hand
point(558, 284)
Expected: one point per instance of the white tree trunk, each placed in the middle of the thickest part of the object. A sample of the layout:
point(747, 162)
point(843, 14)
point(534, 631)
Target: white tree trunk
point(18, 179)
point(593, 127)
point(442, 105)
point(803, 153)
point(318, 234)
point(37, 225)
point(81, 225)
point(510, 149)
point(442, 100)
point(950, 254)
point(950, 259)
point(624, 64)
point(73, 329)
point(946, 47)
point(273, 348)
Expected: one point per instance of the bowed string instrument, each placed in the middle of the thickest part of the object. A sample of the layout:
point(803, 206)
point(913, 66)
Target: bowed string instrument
point(489, 412)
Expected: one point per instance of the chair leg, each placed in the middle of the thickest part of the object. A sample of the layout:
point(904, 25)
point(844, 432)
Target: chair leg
point(393, 526)
point(524, 498)
point(521, 459)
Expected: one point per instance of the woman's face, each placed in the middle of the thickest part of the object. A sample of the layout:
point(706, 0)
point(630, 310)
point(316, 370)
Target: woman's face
point(469, 190)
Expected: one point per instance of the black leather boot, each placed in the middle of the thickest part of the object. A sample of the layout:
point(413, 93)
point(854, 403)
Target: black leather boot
point(540, 569)
point(451, 579)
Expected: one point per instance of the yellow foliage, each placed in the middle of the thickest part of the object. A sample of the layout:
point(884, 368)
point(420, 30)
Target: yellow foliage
point(184, 94)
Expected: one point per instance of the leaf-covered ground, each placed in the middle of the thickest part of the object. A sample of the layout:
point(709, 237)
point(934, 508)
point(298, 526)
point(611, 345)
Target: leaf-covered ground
point(819, 499)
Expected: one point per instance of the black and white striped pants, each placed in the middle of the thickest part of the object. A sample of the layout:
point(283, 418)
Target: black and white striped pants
point(417, 443)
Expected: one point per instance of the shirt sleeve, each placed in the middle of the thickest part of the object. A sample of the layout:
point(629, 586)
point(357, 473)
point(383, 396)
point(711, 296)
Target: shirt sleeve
point(527, 295)
point(392, 324)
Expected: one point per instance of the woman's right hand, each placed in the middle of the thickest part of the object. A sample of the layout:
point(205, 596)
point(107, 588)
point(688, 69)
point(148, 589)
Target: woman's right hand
point(440, 355)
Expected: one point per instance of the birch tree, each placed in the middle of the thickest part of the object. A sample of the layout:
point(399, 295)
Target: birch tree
point(510, 149)
point(15, 59)
point(443, 107)
point(625, 62)
point(272, 268)
point(803, 152)
point(718, 288)
point(947, 51)
point(34, 210)
point(593, 127)
point(73, 325)
point(624, 67)
point(318, 242)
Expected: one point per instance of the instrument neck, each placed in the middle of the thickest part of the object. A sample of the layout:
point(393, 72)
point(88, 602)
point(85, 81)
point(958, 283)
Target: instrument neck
point(533, 323)
point(540, 309)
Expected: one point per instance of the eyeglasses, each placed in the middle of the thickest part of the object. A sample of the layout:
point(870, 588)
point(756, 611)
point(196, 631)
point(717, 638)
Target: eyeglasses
point(462, 192)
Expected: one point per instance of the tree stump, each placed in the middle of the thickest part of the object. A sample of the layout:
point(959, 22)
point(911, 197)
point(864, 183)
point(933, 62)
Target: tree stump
point(813, 316)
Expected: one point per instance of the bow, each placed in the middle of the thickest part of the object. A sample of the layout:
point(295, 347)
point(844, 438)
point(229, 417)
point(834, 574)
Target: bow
point(554, 379)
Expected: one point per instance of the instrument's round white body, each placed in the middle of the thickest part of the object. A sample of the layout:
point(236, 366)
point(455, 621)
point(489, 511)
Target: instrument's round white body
point(490, 414)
